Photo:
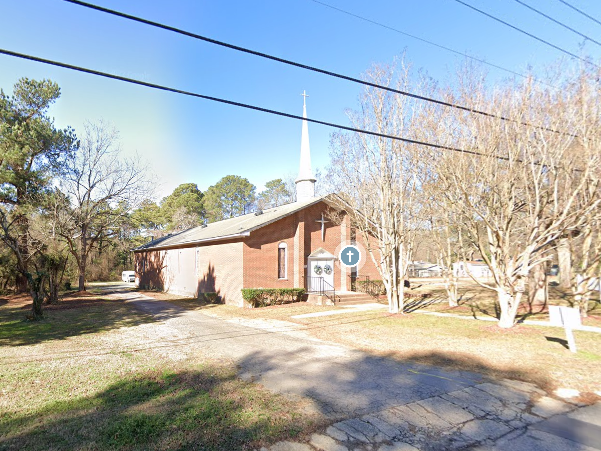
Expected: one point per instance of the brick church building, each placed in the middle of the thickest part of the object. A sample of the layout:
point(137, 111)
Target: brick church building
point(291, 246)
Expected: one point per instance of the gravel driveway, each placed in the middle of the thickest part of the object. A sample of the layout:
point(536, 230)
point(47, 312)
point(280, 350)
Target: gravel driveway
point(376, 402)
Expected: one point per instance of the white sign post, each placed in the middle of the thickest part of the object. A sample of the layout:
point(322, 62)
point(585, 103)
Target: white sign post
point(569, 318)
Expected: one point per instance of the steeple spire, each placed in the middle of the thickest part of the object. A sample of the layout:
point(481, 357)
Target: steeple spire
point(305, 182)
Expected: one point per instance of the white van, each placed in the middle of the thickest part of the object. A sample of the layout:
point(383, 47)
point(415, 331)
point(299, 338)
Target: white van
point(128, 276)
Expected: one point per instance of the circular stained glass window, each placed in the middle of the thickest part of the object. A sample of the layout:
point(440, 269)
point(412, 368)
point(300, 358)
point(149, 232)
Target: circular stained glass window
point(317, 270)
point(327, 269)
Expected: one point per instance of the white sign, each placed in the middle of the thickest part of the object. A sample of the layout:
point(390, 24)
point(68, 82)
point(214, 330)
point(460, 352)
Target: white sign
point(569, 318)
point(564, 316)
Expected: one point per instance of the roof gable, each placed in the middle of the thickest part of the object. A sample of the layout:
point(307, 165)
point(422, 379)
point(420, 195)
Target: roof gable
point(321, 253)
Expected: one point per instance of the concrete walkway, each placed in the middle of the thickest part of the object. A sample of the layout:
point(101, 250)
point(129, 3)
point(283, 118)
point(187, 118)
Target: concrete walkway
point(377, 306)
point(528, 322)
point(376, 403)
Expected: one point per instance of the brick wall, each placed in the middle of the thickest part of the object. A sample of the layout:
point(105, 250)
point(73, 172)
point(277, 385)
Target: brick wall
point(302, 234)
point(220, 271)
point(261, 255)
point(369, 268)
point(149, 269)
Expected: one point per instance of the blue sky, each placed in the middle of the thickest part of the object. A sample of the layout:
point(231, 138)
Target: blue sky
point(192, 140)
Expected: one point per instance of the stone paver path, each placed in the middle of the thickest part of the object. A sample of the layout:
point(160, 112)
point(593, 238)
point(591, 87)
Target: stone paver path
point(376, 403)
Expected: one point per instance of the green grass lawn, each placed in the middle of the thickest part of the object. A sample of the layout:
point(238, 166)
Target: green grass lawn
point(87, 377)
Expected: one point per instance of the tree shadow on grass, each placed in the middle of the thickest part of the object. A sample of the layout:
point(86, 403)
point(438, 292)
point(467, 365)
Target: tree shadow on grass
point(415, 302)
point(60, 324)
point(488, 308)
point(206, 410)
point(421, 302)
point(466, 297)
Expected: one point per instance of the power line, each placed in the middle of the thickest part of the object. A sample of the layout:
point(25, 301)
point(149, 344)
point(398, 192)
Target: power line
point(567, 52)
point(304, 66)
point(440, 46)
point(558, 22)
point(581, 12)
point(238, 104)
point(253, 107)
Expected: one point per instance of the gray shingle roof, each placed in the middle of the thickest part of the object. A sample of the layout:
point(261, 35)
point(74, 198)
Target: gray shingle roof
point(239, 226)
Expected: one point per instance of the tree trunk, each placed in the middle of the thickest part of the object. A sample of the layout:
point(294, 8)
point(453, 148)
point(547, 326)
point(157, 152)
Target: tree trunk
point(450, 277)
point(564, 257)
point(53, 284)
point(537, 287)
point(584, 304)
point(22, 222)
point(507, 318)
point(21, 284)
point(581, 295)
point(401, 293)
point(395, 299)
point(82, 280)
point(83, 261)
point(450, 285)
point(37, 295)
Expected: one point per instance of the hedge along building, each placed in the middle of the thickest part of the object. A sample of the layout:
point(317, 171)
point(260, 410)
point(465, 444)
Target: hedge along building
point(290, 246)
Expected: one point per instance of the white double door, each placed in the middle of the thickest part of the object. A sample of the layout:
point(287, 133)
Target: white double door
point(322, 268)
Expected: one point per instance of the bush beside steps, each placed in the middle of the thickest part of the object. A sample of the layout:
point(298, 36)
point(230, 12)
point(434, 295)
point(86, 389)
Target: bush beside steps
point(263, 297)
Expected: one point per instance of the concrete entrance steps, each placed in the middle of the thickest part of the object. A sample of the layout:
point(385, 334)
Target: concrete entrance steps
point(352, 298)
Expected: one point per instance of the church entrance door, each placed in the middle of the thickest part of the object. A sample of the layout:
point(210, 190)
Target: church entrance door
point(321, 275)
point(320, 269)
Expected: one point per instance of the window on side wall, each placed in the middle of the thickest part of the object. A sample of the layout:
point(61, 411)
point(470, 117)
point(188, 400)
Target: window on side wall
point(282, 261)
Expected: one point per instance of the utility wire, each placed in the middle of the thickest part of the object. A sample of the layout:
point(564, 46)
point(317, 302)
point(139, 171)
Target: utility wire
point(238, 104)
point(581, 12)
point(558, 22)
point(440, 46)
point(304, 66)
point(255, 108)
point(567, 52)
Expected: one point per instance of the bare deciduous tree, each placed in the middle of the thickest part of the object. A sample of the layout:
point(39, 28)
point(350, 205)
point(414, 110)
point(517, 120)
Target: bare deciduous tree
point(443, 233)
point(525, 187)
point(377, 179)
point(103, 187)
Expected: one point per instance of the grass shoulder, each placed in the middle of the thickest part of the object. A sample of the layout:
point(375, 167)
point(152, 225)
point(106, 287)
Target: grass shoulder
point(91, 377)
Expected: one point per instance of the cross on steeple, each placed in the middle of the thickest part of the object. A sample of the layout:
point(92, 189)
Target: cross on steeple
point(305, 95)
point(323, 226)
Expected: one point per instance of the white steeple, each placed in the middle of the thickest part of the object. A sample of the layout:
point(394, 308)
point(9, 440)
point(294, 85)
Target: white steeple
point(305, 182)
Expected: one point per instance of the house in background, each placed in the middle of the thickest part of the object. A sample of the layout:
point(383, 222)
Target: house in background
point(290, 246)
point(424, 269)
point(477, 269)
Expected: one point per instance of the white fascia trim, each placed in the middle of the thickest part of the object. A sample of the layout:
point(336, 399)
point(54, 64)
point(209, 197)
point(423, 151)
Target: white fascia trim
point(205, 240)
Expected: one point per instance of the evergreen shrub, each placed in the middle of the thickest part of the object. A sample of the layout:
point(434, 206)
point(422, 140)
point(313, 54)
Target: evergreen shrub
point(262, 297)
